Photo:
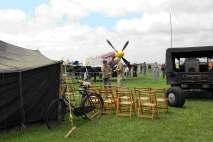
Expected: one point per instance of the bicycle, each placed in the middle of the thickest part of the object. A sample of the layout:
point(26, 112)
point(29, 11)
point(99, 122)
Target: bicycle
point(90, 107)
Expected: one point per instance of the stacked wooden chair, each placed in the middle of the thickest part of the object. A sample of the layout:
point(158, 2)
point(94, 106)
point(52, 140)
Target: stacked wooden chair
point(108, 95)
point(67, 89)
point(147, 104)
point(162, 101)
point(141, 96)
point(95, 88)
point(124, 102)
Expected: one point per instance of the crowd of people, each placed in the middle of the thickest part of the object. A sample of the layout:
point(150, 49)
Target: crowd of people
point(123, 72)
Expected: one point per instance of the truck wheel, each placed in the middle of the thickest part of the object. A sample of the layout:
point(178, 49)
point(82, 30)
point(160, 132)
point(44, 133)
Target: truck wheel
point(175, 97)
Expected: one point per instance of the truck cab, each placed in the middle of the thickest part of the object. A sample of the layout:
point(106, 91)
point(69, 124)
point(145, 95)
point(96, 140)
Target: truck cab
point(188, 70)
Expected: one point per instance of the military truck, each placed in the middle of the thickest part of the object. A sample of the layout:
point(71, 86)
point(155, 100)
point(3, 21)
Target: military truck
point(189, 72)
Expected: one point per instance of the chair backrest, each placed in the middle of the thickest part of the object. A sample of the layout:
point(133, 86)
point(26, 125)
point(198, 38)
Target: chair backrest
point(124, 94)
point(159, 92)
point(62, 89)
point(122, 88)
point(109, 89)
point(152, 98)
point(95, 88)
point(142, 92)
point(119, 88)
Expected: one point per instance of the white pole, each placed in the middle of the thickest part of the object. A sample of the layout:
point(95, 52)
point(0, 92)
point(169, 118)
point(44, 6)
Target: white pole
point(171, 32)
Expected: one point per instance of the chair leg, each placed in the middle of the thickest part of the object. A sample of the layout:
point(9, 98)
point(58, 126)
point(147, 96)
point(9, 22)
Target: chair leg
point(157, 112)
point(142, 113)
point(117, 109)
point(138, 111)
point(111, 111)
point(153, 113)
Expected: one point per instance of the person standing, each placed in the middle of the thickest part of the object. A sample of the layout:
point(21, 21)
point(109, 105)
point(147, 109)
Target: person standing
point(135, 70)
point(126, 72)
point(144, 68)
point(155, 71)
point(106, 73)
point(119, 70)
point(163, 70)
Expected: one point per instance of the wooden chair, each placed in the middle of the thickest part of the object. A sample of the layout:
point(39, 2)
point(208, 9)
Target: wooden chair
point(67, 89)
point(141, 94)
point(121, 88)
point(162, 100)
point(95, 88)
point(107, 93)
point(148, 109)
point(125, 102)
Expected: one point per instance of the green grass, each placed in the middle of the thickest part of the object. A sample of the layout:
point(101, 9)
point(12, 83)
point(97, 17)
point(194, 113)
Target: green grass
point(193, 123)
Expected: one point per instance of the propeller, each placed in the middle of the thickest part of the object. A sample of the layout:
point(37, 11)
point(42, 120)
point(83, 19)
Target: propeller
point(111, 45)
point(125, 45)
point(120, 53)
point(127, 63)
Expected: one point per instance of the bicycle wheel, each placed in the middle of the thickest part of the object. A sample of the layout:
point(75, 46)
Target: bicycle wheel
point(55, 113)
point(92, 106)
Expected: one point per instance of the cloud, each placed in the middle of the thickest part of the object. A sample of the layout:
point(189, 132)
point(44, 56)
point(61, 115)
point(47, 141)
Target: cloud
point(12, 20)
point(56, 30)
point(148, 23)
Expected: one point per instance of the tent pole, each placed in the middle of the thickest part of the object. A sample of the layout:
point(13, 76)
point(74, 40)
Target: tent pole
point(23, 120)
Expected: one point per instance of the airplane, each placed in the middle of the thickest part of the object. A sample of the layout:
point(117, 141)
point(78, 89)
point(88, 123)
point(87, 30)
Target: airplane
point(119, 53)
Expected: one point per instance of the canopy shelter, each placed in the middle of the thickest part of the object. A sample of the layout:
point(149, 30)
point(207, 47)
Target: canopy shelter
point(28, 83)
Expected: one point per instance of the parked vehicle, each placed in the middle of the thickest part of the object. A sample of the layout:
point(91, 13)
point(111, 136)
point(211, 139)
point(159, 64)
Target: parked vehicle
point(189, 71)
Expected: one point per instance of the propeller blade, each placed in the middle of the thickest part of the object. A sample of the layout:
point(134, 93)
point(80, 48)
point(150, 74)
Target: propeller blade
point(111, 45)
point(125, 45)
point(126, 62)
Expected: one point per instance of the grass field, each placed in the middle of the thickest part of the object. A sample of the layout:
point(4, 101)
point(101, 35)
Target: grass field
point(193, 123)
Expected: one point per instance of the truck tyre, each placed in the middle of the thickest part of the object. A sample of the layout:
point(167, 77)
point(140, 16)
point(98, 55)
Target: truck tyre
point(175, 96)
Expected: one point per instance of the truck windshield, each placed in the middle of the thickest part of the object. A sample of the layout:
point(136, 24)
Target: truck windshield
point(192, 64)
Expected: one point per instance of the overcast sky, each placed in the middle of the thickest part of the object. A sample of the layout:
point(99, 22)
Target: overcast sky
point(77, 29)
